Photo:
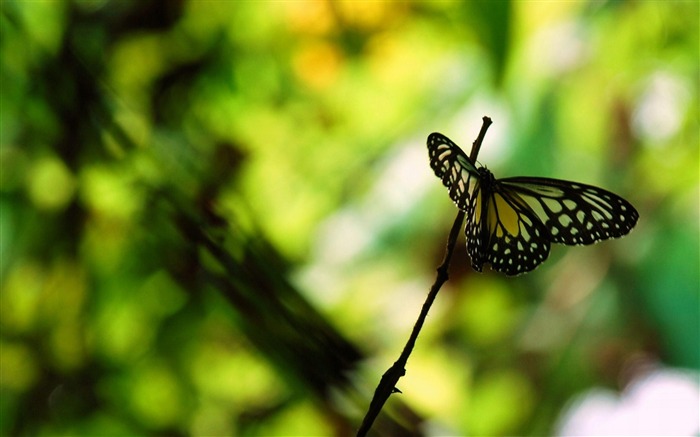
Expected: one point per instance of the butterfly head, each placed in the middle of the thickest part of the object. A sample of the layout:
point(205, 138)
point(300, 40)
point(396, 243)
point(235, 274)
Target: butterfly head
point(486, 177)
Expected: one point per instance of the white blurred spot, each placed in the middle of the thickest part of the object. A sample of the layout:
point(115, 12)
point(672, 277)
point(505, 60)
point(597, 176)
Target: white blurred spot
point(344, 236)
point(402, 181)
point(559, 48)
point(661, 402)
point(660, 109)
point(467, 124)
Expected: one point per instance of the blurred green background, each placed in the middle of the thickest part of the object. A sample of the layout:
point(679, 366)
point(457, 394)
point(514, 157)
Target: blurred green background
point(218, 218)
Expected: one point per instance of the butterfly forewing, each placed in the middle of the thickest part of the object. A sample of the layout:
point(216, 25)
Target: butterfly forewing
point(453, 167)
point(574, 213)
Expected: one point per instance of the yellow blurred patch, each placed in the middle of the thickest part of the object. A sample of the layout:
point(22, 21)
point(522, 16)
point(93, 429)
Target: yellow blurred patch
point(368, 15)
point(310, 17)
point(318, 64)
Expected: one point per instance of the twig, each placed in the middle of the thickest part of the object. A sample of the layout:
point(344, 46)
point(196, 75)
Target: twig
point(387, 385)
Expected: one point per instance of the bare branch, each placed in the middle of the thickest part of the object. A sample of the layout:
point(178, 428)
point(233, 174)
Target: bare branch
point(387, 385)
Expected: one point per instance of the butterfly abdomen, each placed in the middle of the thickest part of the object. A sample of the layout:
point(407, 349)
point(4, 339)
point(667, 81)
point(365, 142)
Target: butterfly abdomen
point(481, 241)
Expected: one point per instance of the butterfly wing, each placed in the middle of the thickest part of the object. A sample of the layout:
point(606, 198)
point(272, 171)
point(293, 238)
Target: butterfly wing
point(512, 222)
point(509, 236)
point(454, 168)
point(573, 213)
point(474, 231)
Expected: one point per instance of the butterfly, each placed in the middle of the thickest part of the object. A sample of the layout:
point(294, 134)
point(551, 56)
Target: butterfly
point(512, 222)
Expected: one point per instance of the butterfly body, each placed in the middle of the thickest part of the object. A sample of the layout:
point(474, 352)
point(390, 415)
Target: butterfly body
point(512, 222)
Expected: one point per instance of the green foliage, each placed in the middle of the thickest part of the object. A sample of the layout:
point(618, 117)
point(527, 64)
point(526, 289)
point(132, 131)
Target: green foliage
point(218, 218)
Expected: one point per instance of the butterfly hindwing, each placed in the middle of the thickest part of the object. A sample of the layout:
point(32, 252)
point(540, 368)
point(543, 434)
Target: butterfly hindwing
point(574, 213)
point(517, 240)
point(476, 240)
